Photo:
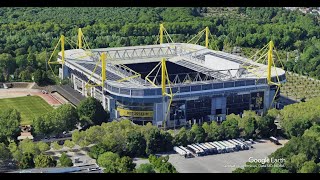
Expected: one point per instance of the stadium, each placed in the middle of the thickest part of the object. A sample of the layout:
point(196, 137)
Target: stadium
point(172, 84)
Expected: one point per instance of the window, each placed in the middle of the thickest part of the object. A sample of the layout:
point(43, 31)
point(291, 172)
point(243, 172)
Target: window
point(218, 111)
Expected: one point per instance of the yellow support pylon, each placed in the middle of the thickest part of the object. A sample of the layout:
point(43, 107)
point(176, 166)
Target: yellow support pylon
point(80, 38)
point(207, 37)
point(103, 66)
point(62, 48)
point(103, 72)
point(161, 33)
point(163, 76)
point(269, 61)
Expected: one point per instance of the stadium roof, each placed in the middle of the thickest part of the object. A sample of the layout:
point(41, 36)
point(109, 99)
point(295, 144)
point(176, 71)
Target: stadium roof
point(219, 65)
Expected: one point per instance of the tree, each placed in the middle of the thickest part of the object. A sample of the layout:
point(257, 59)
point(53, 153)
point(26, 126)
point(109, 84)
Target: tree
point(266, 124)
point(297, 127)
point(278, 170)
point(5, 153)
point(296, 118)
point(96, 150)
point(215, 132)
point(136, 144)
point(2, 79)
point(125, 165)
point(55, 145)
point(28, 146)
point(7, 64)
point(31, 59)
point(162, 164)
point(37, 75)
point(230, 127)
point(79, 137)
point(21, 61)
point(42, 161)
point(166, 141)
point(157, 141)
point(153, 138)
point(247, 124)
point(42, 146)
point(145, 168)
point(69, 144)
point(43, 125)
point(64, 118)
point(15, 151)
point(167, 168)
point(181, 139)
point(108, 160)
point(65, 161)
point(296, 162)
point(314, 131)
point(91, 112)
point(9, 124)
point(198, 134)
point(309, 167)
point(25, 75)
point(26, 161)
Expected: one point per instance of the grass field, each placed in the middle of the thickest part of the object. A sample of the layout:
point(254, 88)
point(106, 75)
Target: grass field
point(28, 106)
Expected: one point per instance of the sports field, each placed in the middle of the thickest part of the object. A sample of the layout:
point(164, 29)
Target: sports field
point(28, 106)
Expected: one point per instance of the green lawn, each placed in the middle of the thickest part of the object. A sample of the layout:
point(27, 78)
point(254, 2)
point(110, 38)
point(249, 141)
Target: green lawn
point(28, 106)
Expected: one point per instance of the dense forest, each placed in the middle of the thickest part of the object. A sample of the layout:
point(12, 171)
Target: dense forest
point(28, 35)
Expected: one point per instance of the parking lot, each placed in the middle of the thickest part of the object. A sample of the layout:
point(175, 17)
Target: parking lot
point(223, 163)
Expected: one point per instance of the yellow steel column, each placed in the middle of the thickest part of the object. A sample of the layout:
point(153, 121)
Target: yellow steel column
point(163, 76)
point(207, 37)
point(80, 38)
point(103, 66)
point(163, 88)
point(270, 61)
point(104, 77)
point(62, 48)
point(161, 33)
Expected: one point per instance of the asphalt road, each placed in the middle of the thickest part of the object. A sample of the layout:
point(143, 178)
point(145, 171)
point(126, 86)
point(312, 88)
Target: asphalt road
point(54, 139)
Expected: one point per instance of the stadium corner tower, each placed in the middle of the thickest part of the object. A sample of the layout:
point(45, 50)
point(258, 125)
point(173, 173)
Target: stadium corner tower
point(171, 84)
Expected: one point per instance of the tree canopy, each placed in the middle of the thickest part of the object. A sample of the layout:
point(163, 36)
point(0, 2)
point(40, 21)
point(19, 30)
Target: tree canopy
point(145, 168)
point(43, 161)
point(114, 164)
point(91, 112)
point(64, 118)
point(9, 124)
point(65, 161)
